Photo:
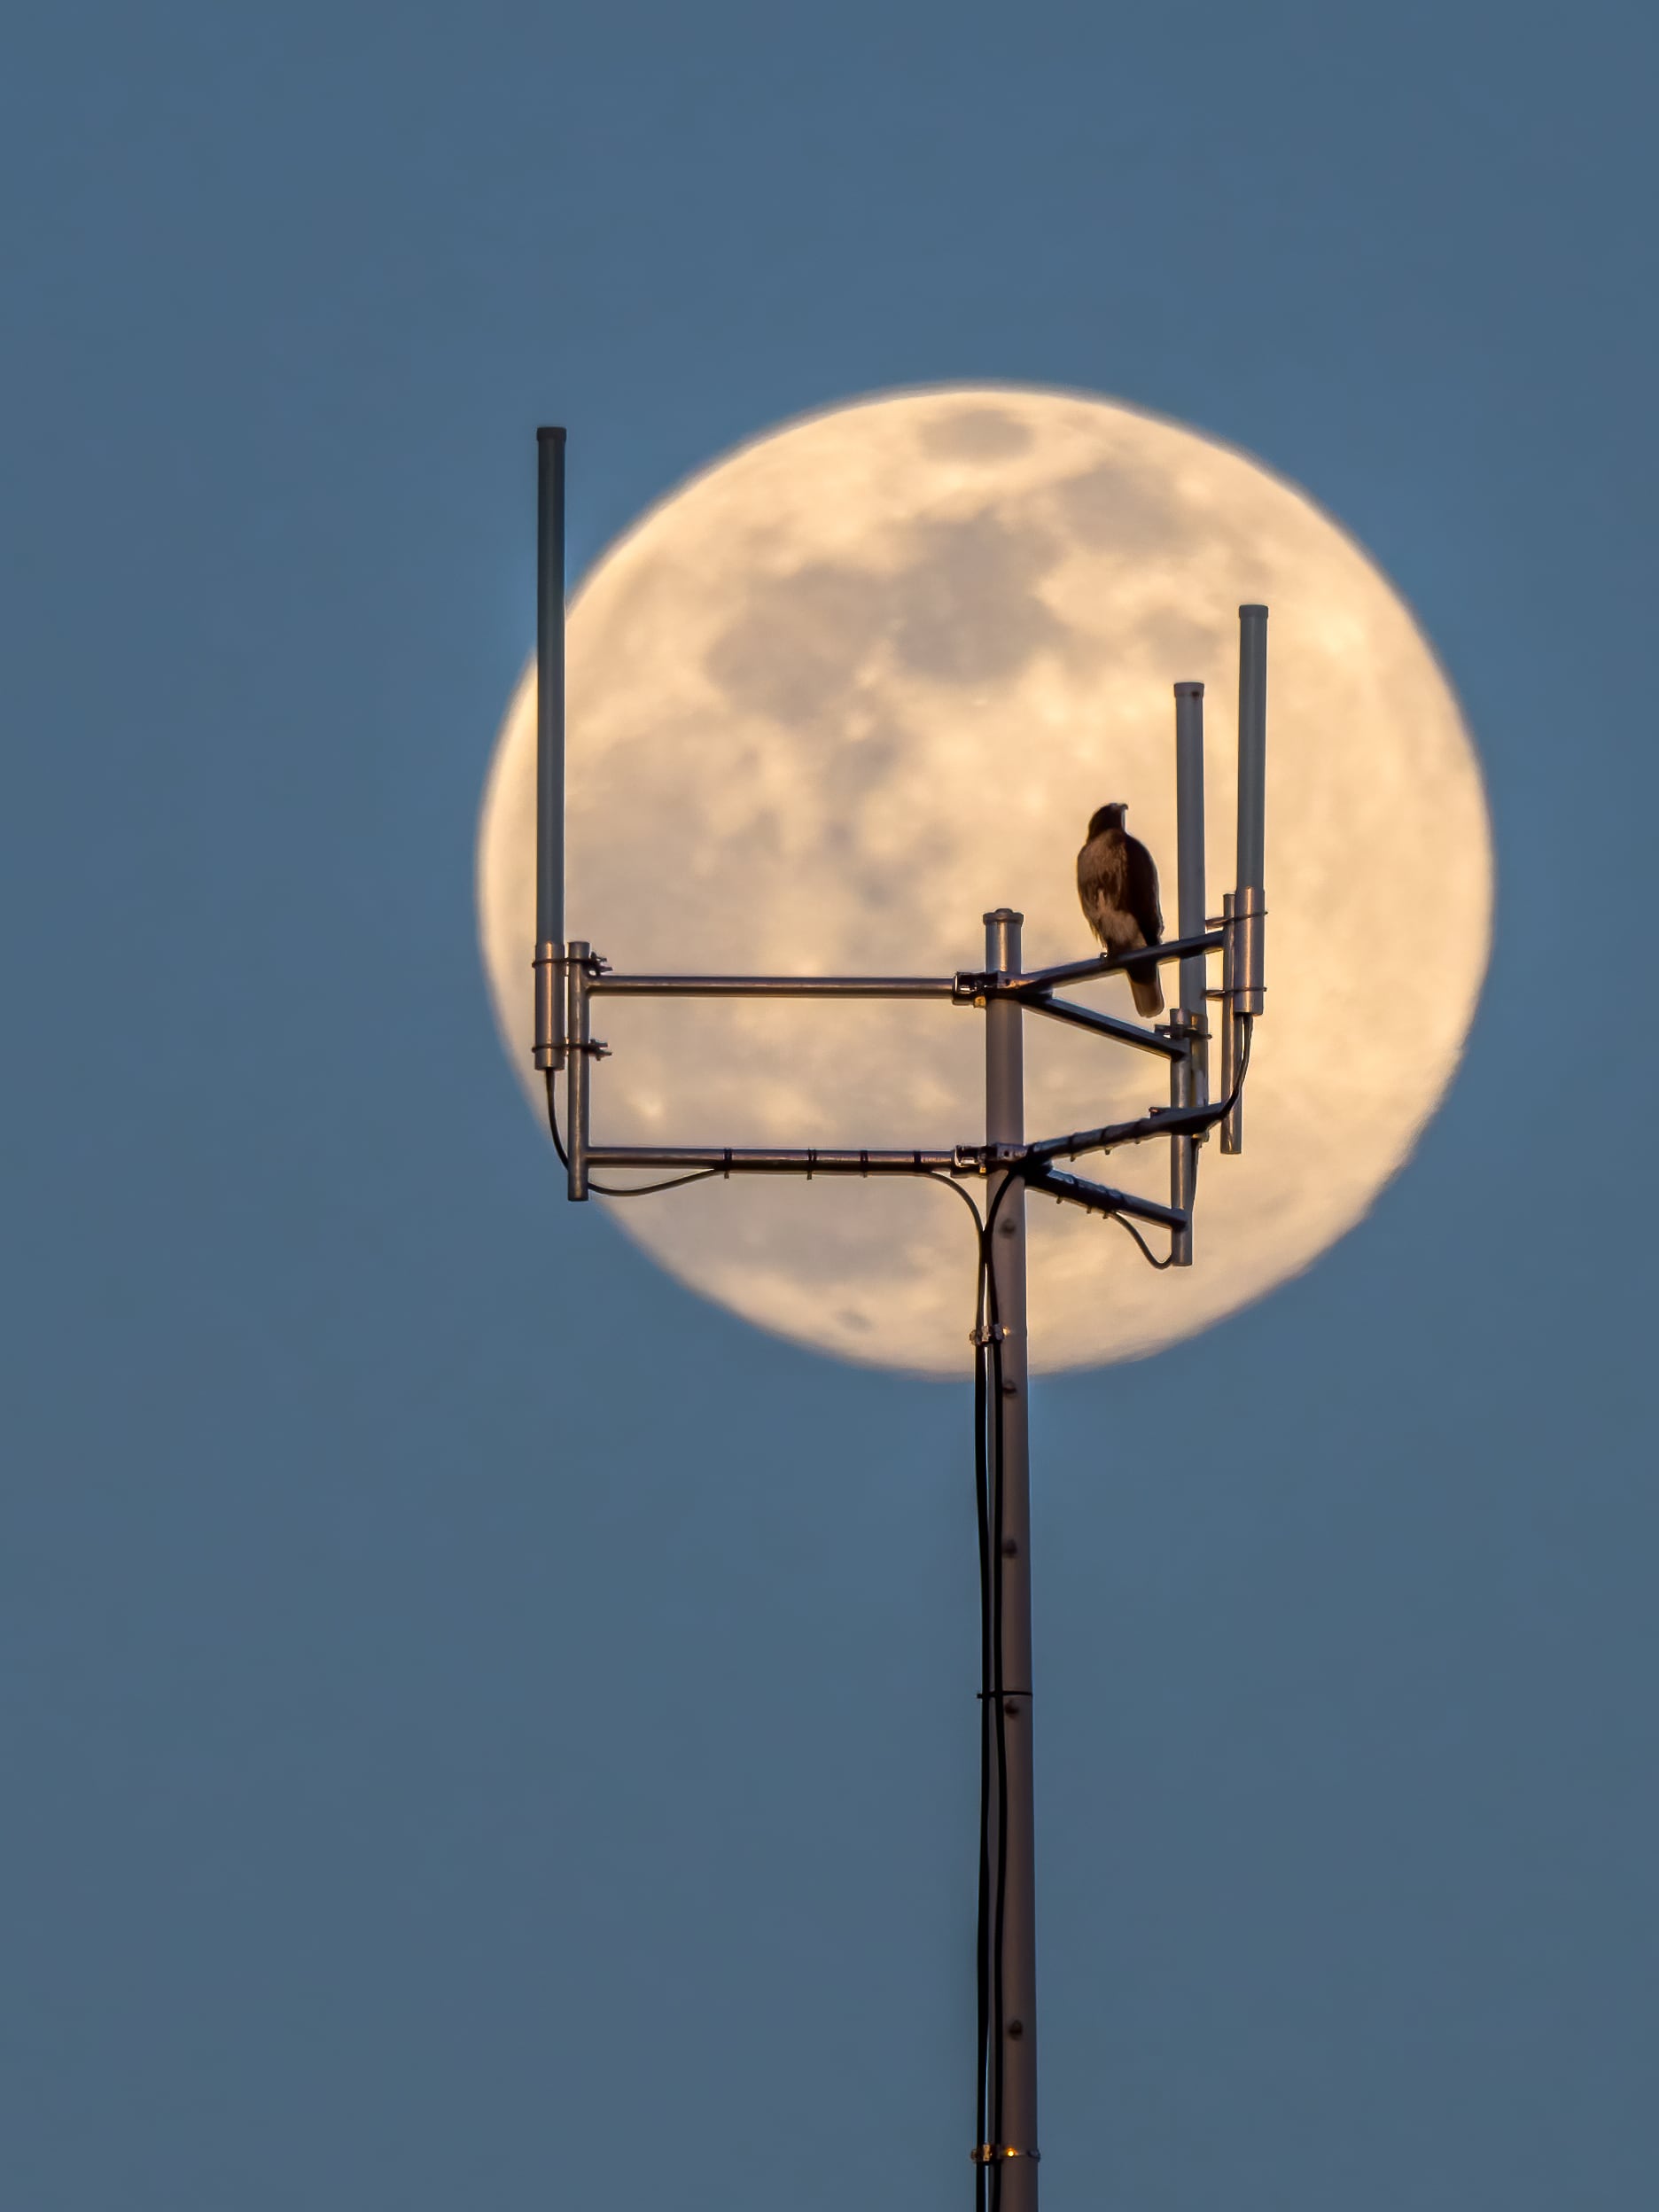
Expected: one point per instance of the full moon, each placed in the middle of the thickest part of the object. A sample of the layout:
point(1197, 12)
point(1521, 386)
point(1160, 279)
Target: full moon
point(866, 678)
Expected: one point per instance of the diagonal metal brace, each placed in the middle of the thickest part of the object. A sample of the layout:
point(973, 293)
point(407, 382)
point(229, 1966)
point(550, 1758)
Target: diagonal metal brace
point(1100, 1198)
point(1159, 1040)
point(1163, 1121)
point(969, 987)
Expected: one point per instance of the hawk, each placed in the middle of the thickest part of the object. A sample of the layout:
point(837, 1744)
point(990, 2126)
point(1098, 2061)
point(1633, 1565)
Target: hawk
point(1118, 885)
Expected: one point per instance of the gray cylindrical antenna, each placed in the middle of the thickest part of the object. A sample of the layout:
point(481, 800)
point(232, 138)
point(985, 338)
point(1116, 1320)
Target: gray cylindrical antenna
point(1188, 1077)
point(549, 949)
point(1251, 895)
point(1189, 836)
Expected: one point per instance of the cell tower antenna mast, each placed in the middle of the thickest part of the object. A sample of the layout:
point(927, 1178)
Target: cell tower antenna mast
point(1008, 1932)
point(570, 974)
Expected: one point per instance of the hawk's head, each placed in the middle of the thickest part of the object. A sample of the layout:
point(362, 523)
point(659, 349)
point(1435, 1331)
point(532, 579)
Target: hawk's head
point(1107, 818)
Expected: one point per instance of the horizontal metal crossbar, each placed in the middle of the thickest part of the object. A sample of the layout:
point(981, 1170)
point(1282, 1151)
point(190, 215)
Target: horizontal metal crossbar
point(1029, 1160)
point(749, 1160)
point(960, 989)
point(773, 986)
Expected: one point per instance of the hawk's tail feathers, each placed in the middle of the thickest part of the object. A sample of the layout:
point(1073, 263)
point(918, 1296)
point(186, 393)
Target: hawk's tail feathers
point(1149, 991)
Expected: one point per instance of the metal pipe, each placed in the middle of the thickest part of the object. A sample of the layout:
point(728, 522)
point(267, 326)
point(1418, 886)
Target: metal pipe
point(1189, 838)
point(1104, 1025)
point(1100, 1198)
point(549, 948)
point(961, 1162)
point(1014, 1962)
point(1162, 1122)
point(762, 1160)
point(1078, 971)
point(1186, 1092)
point(1189, 1077)
point(1252, 807)
point(1233, 1121)
point(581, 1051)
point(775, 986)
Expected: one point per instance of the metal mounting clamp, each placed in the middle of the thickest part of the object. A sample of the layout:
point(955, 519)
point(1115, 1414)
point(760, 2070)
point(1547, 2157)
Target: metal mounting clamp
point(988, 2154)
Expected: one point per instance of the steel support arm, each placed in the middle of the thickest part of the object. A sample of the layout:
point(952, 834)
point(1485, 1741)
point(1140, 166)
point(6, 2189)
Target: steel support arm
point(1100, 1198)
point(1163, 1121)
point(752, 1160)
point(773, 986)
point(1104, 1025)
point(1042, 979)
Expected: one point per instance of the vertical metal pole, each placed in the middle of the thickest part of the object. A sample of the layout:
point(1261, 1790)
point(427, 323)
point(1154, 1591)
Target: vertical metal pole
point(1189, 1084)
point(1189, 836)
point(1014, 1964)
point(1244, 960)
point(1184, 1150)
point(1233, 1121)
point(1252, 805)
point(549, 949)
point(580, 1061)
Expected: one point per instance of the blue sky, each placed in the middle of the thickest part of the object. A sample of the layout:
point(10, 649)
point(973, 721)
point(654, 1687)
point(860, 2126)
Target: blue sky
point(483, 1728)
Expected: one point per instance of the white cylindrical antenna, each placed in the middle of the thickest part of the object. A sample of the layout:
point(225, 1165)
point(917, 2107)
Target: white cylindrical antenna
point(549, 948)
point(1251, 902)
